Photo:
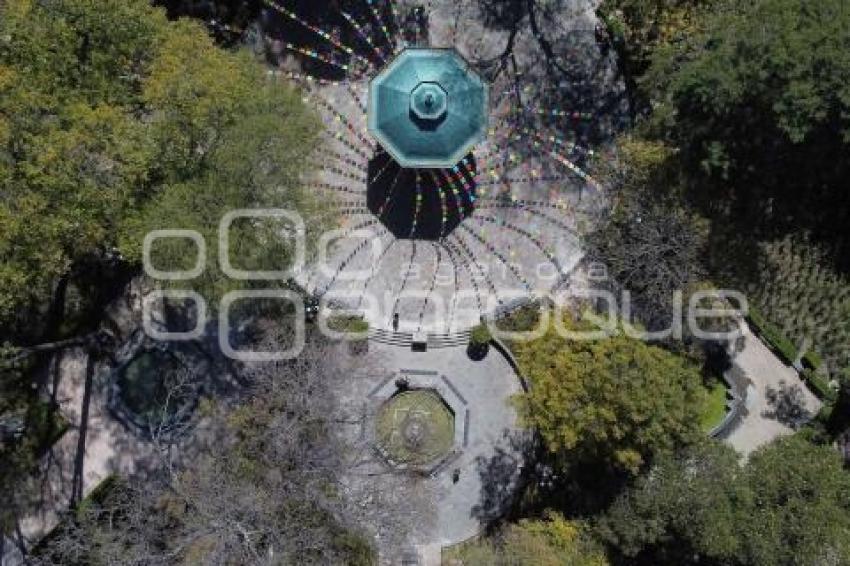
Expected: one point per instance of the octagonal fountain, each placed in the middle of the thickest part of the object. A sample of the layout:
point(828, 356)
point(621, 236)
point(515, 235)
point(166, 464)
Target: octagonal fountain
point(415, 430)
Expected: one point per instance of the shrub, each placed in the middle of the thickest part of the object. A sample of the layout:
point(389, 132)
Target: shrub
point(824, 415)
point(820, 386)
point(523, 319)
point(358, 326)
point(100, 493)
point(812, 360)
point(480, 335)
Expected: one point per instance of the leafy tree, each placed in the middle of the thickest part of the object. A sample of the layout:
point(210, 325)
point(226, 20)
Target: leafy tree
point(800, 507)
point(194, 105)
point(788, 504)
point(73, 154)
point(127, 123)
point(685, 507)
point(114, 122)
point(553, 541)
point(757, 103)
point(640, 27)
point(751, 116)
point(224, 146)
point(618, 400)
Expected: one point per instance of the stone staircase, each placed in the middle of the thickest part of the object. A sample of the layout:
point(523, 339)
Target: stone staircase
point(405, 339)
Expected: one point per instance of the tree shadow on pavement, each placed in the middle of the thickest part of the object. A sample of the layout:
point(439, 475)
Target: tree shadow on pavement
point(787, 405)
point(503, 476)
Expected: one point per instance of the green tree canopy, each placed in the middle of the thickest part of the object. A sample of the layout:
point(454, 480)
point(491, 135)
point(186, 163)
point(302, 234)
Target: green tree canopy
point(552, 541)
point(115, 121)
point(616, 399)
point(640, 27)
point(800, 507)
point(758, 102)
point(684, 506)
point(789, 504)
point(224, 145)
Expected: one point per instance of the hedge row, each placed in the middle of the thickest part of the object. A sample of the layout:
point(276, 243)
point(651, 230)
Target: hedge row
point(820, 386)
point(772, 335)
point(777, 340)
point(348, 323)
point(812, 360)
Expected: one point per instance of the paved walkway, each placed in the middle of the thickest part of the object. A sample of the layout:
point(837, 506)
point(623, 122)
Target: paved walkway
point(432, 511)
point(419, 514)
point(94, 447)
point(435, 512)
point(777, 399)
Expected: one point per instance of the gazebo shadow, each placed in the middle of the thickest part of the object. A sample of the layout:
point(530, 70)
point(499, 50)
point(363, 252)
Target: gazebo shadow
point(421, 204)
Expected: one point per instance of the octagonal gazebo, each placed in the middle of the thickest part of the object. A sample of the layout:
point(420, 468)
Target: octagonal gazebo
point(427, 108)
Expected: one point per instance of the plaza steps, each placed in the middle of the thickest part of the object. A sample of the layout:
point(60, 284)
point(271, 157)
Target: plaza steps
point(405, 339)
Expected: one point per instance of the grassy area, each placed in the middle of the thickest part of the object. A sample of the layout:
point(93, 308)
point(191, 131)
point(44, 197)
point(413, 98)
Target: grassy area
point(349, 324)
point(715, 407)
point(459, 552)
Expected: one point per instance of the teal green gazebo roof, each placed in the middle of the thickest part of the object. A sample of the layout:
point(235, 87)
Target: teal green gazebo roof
point(427, 108)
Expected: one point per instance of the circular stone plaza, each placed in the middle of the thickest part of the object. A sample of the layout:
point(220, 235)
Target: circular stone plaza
point(455, 191)
point(448, 200)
